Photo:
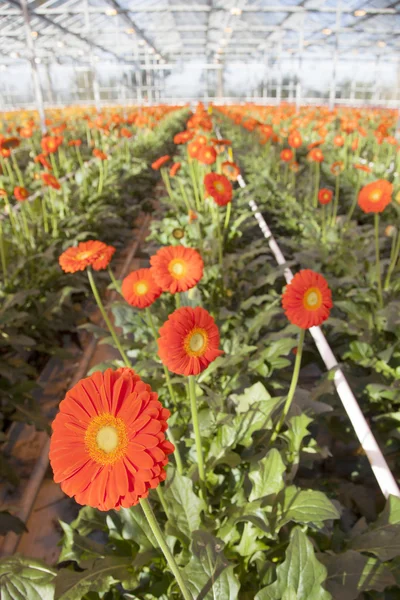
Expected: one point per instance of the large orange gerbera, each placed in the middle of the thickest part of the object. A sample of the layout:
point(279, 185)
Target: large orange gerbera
point(108, 446)
point(324, 196)
point(139, 288)
point(85, 254)
point(50, 180)
point(218, 187)
point(294, 140)
point(176, 268)
point(21, 193)
point(157, 164)
point(188, 341)
point(374, 197)
point(307, 299)
point(315, 155)
point(51, 144)
point(287, 155)
point(231, 170)
point(207, 155)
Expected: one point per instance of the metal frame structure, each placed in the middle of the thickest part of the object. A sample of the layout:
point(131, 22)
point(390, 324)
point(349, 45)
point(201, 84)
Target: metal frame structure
point(142, 42)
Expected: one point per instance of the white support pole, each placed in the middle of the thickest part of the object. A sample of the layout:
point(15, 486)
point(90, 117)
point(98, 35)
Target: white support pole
point(95, 83)
point(332, 91)
point(300, 65)
point(35, 74)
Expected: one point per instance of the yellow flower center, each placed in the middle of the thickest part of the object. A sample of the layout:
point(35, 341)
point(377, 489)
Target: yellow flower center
point(375, 196)
point(177, 268)
point(106, 439)
point(141, 287)
point(312, 299)
point(84, 255)
point(219, 187)
point(196, 342)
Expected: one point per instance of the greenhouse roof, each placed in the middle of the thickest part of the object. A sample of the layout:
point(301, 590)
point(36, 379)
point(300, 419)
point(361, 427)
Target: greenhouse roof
point(213, 31)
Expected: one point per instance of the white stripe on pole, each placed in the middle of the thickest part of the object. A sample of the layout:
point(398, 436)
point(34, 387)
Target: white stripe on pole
point(364, 434)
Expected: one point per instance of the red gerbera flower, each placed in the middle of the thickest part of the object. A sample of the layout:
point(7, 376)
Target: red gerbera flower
point(324, 196)
point(188, 341)
point(157, 164)
point(219, 187)
point(77, 258)
point(50, 180)
point(183, 137)
point(375, 196)
point(176, 268)
point(21, 193)
point(43, 161)
point(104, 258)
point(51, 144)
point(108, 446)
point(139, 288)
point(307, 299)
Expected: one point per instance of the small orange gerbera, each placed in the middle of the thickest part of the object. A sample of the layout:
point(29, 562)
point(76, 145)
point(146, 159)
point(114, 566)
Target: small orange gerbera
point(104, 258)
point(294, 140)
point(364, 168)
point(99, 154)
point(51, 144)
point(183, 137)
point(139, 288)
point(219, 188)
point(337, 167)
point(338, 141)
point(41, 158)
point(50, 180)
point(188, 341)
point(324, 196)
point(315, 155)
point(176, 268)
point(287, 155)
point(193, 149)
point(207, 155)
point(75, 143)
point(77, 258)
point(307, 299)
point(21, 193)
point(174, 169)
point(374, 197)
point(231, 170)
point(157, 164)
point(108, 446)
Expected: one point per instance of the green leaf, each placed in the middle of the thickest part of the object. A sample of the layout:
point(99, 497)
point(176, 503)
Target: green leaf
point(185, 507)
point(383, 537)
point(26, 579)
point(296, 432)
point(255, 393)
point(99, 575)
point(267, 478)
point(300, 576)
point(132, 525)
point(351, 573)
point(305, 506)
point(209, 574)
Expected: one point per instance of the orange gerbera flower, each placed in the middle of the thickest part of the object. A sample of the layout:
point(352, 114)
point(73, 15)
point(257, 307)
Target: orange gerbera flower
point(104, 258)
point(188, 341)
point(207, 155)
point(219, 188)
point(174, 169)
point(21, 193)
point(43, 161)
point(193, 149)
point(183, 137)
point(365, 168)
point(294, 140)
point(51, 144)
point(231, 170)
point(338, 141)
point(139, 288)
point(75, 143)
point(124, 132)
point(307, 299)
point(324, 196)
point(108, 446)
point(287, 155)
point(50, 180)
point(157, 164)
point(176, 268)
point(9, 143)
point(337, 167)
point(375, 196)
point(77, 258)
point(99, 154)
point(315, 155)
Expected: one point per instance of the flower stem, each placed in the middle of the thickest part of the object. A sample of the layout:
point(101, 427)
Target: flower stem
point(378, 260)
point(178, 300)
point(292, 389)
point(3, 255)
point(101, 178)
point(336, 200)
point(196, 428)
point(155, 528)
point(228, 215)
point(354, 203)
point(394, 255)
point(160, 494)
point(317, 175)
point(106, 319)
point(116, 283)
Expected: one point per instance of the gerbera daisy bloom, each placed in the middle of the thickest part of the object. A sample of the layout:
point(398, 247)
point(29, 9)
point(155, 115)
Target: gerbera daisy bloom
point(375, 196)
point(219, 187)
point(324, 196)
point(157, 164)
point(365, 168)
point(183, 137)
point(193, 149)
point(108, 446)
point(201, 139)
point(354, 144)
point(338, 141)
point(139, 288)
point(75, 143)
point(25, 132)
point(176, 268)
point(41, 158)
point(294, 140)
point(9, 143)
point(77, 258)
point(104, 258)
point(99, 154)
point(287, 155)
point(207, 155)
point(188, 341)
point(5, 152)
point(315, 144)
point(315, 155)
point(21, 193)
point(3, 193)
point(307, 299)
point(124, 132)
point(337, 167)
point(174, 169)
point(50, 180)
point(50, 144)
point(231, 170)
